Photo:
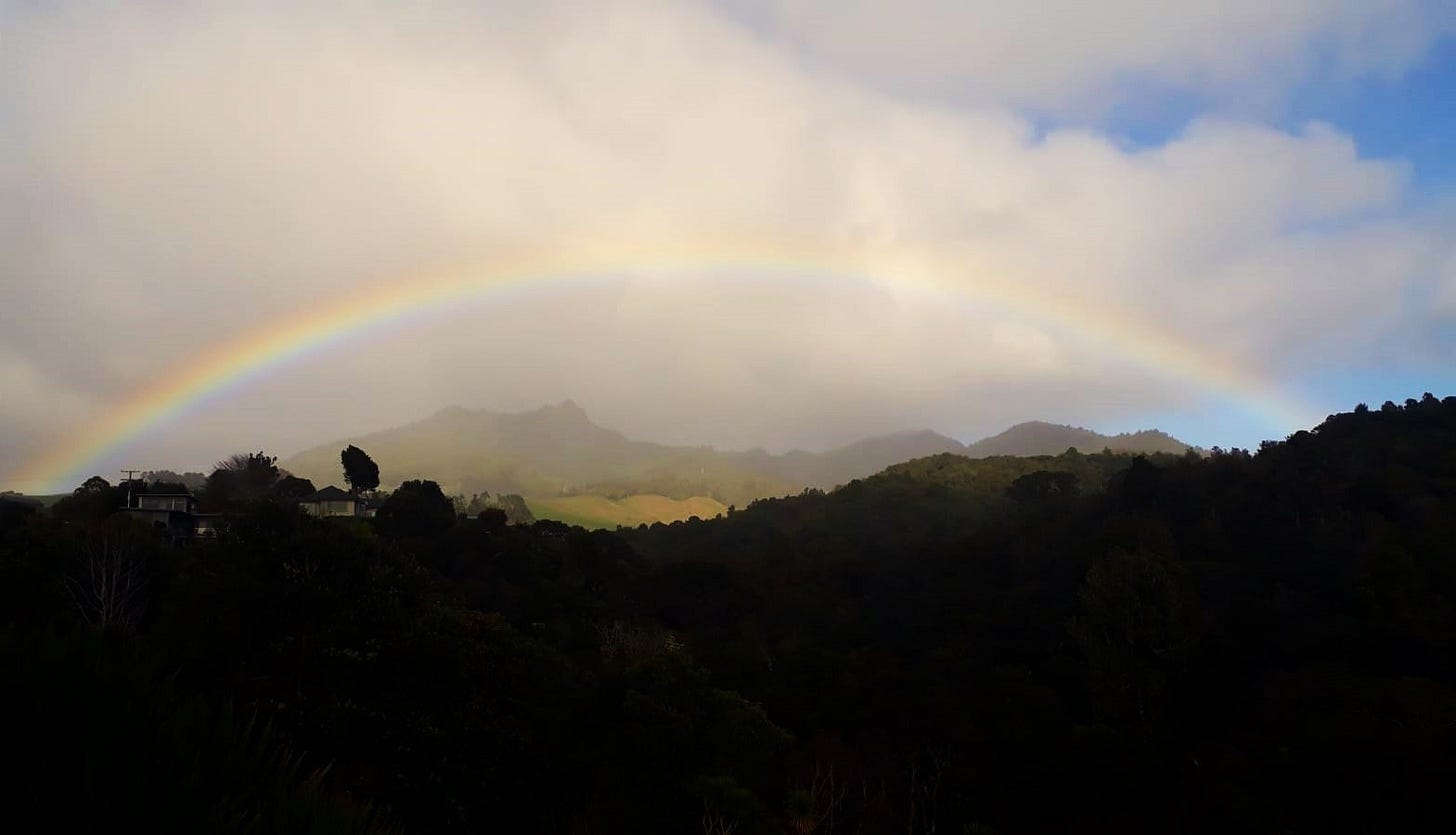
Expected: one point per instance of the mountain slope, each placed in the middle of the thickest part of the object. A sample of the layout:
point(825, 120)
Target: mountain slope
point(551, 451)
point(1040, 438)
point(557, 451)
point(846, 463)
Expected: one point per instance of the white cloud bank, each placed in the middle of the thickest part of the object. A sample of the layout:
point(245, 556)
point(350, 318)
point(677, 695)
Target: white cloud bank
point(1072, 54)
point(182, 172)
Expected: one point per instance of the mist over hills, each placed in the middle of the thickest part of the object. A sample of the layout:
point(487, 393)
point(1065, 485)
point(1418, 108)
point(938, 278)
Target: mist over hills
point(557, 450)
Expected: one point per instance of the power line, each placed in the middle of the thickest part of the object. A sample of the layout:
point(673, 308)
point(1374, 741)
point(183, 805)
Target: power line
point(130, 476)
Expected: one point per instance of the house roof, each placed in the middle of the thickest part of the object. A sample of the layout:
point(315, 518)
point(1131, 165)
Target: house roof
point(166, 495)
point(328, 494)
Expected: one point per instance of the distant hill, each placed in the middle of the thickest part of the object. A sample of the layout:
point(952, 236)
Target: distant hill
point(32, 501)
point(551, 451)
point(1040, 438)
point(940, 497)
point(846, 463)
point(556, 452)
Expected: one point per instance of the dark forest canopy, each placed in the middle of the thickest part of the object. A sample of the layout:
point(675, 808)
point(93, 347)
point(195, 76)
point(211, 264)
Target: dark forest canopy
point(1261, 642)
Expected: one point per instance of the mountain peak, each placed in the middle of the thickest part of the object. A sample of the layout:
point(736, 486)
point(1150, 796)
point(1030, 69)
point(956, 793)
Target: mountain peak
point(450, 416)
point(552, 448)
point(564, 414)
point(1029, 425)
point(1039, 437)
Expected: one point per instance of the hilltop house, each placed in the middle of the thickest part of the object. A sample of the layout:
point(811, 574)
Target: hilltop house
point(333, 502)
point(175, 516)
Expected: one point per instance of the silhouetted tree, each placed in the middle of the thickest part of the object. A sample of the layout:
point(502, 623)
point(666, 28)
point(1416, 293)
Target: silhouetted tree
point(107, 581)
point(360, 471)
point(417, 508)
point(478, 502)
point(127, 491)
point(95, 499)
point(493, 518)
point(517, 512)
point(15, 509)
point(188, 482)
point(291, 487)
point(242, 477)
point(94, 484)
point(167, 487)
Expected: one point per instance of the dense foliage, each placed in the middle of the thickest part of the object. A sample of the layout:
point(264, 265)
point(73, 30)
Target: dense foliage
point(360, 471)
point(1098, 643)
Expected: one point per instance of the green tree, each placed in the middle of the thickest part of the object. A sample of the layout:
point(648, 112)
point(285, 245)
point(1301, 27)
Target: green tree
point(1043, 486)
point(360, 471)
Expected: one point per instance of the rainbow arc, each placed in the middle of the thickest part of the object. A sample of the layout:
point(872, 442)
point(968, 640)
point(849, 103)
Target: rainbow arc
point(232, 362)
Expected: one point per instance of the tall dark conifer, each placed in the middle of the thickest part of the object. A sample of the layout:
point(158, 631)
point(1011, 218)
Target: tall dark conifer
point(360, 471)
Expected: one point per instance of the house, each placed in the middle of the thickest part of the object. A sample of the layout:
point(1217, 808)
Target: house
point(331, 501)
point(174, 516)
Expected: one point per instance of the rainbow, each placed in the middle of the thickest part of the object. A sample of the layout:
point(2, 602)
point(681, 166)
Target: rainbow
point(231, 363)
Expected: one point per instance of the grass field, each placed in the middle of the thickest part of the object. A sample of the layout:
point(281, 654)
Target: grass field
point(602, 512)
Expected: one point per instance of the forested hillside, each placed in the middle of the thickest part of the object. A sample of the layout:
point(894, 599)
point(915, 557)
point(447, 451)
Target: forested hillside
point(1247, 642)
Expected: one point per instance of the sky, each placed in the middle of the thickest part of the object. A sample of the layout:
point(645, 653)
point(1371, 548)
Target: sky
point(776, 223)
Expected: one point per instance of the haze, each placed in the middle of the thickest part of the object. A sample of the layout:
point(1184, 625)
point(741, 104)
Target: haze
point(1270, 182)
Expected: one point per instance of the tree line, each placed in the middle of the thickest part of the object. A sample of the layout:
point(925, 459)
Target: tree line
point(1254, 641)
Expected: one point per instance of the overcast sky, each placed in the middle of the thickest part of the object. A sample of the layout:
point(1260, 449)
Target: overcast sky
point(1270, 181)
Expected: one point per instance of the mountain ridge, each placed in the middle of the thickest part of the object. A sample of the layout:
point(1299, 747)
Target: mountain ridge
point(557, 450)
point(1039, 437)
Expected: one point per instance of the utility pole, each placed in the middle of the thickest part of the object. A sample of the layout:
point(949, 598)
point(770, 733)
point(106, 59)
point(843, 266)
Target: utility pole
point(130, 474)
